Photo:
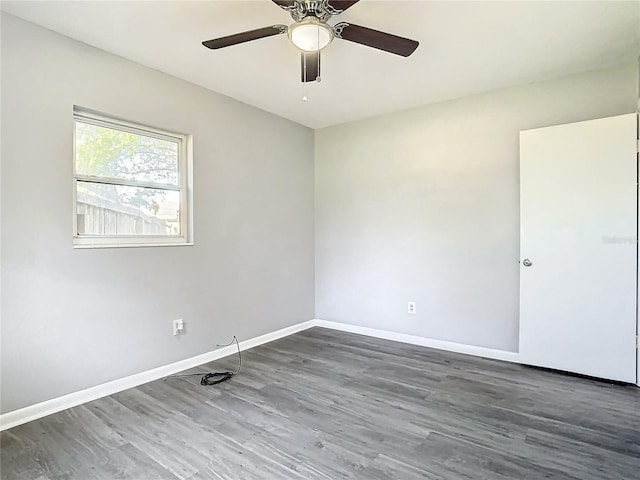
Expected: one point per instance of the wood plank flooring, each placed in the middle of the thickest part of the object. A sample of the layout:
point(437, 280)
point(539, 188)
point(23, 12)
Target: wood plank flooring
point(323, 404)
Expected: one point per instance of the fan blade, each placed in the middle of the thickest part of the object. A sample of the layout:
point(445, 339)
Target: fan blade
point(309, 66)
point(286, 4)
point(342, 5)
point(245, 36)
point(376, 39)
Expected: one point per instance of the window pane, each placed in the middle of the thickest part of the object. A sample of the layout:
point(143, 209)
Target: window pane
point(121, 210)
point(106, 152)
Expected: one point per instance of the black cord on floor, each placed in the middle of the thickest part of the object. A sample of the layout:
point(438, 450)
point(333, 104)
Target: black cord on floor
point(214, 378)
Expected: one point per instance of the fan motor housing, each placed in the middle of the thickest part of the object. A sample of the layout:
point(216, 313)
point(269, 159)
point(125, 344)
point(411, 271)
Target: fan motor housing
point(319, 9)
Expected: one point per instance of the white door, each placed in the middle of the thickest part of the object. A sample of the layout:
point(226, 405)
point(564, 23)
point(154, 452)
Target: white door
point(578, 233)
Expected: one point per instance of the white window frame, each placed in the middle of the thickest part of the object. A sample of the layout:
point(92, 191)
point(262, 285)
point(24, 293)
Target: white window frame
point(185, 185)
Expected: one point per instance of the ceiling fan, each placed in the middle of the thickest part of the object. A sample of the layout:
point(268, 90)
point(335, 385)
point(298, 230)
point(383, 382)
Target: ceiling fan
point(310, 32)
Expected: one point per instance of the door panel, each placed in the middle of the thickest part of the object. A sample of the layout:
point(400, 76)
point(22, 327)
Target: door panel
point(578, 230)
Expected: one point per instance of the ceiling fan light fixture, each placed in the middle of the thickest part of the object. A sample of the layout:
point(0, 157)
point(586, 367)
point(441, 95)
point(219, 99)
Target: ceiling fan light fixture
point(310, 34)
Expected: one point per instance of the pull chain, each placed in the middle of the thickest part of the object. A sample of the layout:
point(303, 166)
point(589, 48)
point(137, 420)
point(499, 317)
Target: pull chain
point(318, 56)
point(304, 77)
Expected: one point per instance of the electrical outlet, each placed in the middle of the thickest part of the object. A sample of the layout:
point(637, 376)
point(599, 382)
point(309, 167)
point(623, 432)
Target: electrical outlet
point(411, 308)
point(178, 327)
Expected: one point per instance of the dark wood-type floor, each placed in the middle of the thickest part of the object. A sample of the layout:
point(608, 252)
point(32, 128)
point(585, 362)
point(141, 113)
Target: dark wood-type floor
point(323, 404)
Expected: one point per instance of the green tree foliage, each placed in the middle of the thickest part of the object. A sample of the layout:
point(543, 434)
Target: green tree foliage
point(105, 152)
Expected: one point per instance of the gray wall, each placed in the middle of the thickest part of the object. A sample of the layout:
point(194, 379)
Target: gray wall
point(72, 319)
point(423, 205)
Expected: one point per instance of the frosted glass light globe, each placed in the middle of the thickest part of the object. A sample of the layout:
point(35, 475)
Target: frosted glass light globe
point(310, 35)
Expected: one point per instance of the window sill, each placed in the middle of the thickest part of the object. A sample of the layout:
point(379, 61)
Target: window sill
point(133, 245)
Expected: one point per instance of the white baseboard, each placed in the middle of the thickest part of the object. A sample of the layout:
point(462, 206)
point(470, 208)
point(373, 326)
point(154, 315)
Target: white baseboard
point(55, 405)
point(422, 341)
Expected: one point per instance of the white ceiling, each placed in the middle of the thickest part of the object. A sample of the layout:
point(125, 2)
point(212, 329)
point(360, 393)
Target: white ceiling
point(465, 48)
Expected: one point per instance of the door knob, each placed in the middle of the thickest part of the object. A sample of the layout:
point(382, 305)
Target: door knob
point(526, 262)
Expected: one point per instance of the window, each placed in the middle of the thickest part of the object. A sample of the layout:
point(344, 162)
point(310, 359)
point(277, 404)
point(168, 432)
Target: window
point(131, 183)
